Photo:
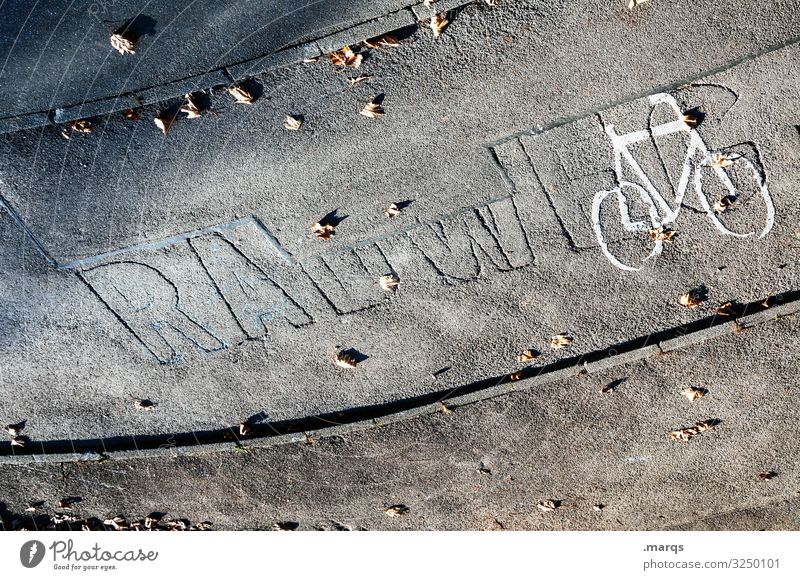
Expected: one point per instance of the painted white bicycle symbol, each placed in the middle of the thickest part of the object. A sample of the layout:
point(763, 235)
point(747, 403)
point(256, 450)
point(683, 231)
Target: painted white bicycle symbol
point(660, 211)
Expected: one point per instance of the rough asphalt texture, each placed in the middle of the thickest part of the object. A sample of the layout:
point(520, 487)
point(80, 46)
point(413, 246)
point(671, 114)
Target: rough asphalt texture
point(182, 269)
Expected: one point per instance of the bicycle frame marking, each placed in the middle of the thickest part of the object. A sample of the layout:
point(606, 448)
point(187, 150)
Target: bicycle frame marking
point(659, 210)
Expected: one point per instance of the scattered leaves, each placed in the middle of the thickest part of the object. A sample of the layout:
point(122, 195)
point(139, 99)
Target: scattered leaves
point(438, 23)
point(767, 475)
point(724, 204)
point(527, 356)
point(726, 309)
point(686, 433)
point(293, 122)
point(345, 360)
point(693, 393)
point(164, 121)
point(323, 231)
point(691, 299)
point(392, 211)
point(240, 93)
point(345, 57)
point(395, 511)
point(122, 44)
point(81, 126)
point(662, 234)
point(191, 107)
point(372, 110)
point(560, 341)
point(389, 283)
point(548, 505)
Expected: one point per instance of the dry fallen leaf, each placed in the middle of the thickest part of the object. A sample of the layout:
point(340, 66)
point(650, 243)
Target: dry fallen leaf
point(122, 44)
point(598, 507)
point(245, 429)
point(292, 122)
point(606, 389)
point(240, 93)
point(389, 283)
point(438, 23)
point(308, 439)
point(392, 211)
point(767, 475)
point(131, 114)
point(634, 3)
point(344, 360)
point(359, 79)
point(13, 430)
point(384, 41)
point(527, 356)
point(720, 160)
point(191, 107)
point(372, 110)
point(724, 204)
point(725, 309)
point(310, 59)
point(515, 376)
point(143, 404)
point(693, 393)
point(395, 511)
point(428, 3)
point(164, 121)
point(691, 299)
point(560, 341)
point(345, 57)
point(81, 126)
point(662, 234)
point(18, 441)
point(690, 120)
point(64, 504)
point(323, 231)
point(686, 433)
point(444, 409)
point(548, 505)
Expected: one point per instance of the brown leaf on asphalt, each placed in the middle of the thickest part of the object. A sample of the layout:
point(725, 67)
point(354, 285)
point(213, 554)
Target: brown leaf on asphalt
point(662, 234)
point(122, 44)
point(598, 507)
point(389, 283)
point(438, 23)
point(345, 57)
point(726, 309)
point(292, 122)
point(81, 126)
point(64, 504)
point(691, 299)
point(395, 511)
point(560, 341)
point(143, 404)
point(392, 211)
point(323, 231)
point(693, 393)
point(515, 376)
point(444, 409)
point(240, 93)
point(164, 121)
point(344, 360)
point(724, 204)
point(18, 441)
point(13, 430)
point(548, 505)
point(686, 433)
point(527, 356)
point(245, 429)
point(308, 439)
point(131, 114)
point(690, 120)
point(634, 3)
point(359, 79)
point(372, 110)
point(384, 41)
point(606, 389)
point(720, 160)
point(191, 107)
point(767, 475)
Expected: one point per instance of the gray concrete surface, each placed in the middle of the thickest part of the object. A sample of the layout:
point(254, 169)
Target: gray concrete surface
point(182, 269)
